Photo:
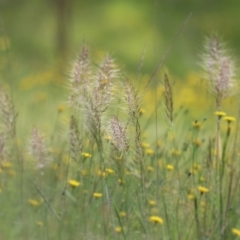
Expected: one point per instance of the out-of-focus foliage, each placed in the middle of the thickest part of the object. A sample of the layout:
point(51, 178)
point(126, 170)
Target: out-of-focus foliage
point(37, 29)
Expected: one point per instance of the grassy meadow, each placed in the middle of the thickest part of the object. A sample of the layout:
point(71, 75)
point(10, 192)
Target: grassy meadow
point(107, 155)
point(136, 137)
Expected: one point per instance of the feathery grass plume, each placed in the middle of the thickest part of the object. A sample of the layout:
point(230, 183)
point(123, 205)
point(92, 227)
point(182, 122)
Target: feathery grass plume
point(38, 148)
point(119, 136)
point(106, 77)
point(168, 97)
point(119, 145)
point(100, 94)
point(134, 103)
point(7, 113)
point(81, 77)
point(219, 68)
point(74, 138)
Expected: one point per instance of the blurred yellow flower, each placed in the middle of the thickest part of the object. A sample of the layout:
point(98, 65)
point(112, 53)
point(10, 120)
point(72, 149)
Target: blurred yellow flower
point(97, 195)
point(152, 203)
point(60, 108)
point(34, 202)
point(118, 229)
point(170, 167)
point(109, 171)
point(122, 214)
point(202, 189)
point(236, 232)
point(150, 169)
point(149, 151)
point(229, 119)
point(220, 114)
point(86, 155)
point(73, 183)
point(156, 219)
point(145, 145)
point(196, 124)
point(6, 164)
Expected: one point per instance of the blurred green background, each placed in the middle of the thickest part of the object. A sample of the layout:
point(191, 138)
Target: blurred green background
point(41, 31)
point(44, 36)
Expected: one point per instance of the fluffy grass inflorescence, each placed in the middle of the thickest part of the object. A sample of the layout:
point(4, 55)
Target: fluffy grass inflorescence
point(119, 172)
point(219, 67)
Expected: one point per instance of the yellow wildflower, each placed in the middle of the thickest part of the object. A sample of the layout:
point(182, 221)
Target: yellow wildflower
point(120, 181)
point(86, 155)
point(122, 214)
point(60, 108)
point(101, 173)
point(190, 196)
point(229, 119)
point(145, 145)
point(33, 202)
point(196, 124)
point(156, 219)
point(6, 164)
point(109, 171)
point(73, 183)
point(176, 152)
point(202, 189)
point(236, 232)
point(141, 111)
point(170, 167)
point(97, 195)
point(149, 151)
point(150, 169)
point(220, 114)
point(118, 229)
point(108, 138)
point(152, 203)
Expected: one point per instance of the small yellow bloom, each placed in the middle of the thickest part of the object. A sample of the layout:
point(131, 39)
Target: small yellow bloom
point(122, 214)
point(108, 138)
point(109, 171)
point(86, 155)
point(202, 189)
point(196, 124)
point(6, 165)
point(141, 111)
point(101, 173)
point(190, 196)
point(202, 179)
point(60, 108)
point(73, 183)
point(170, 167)
point(97, 195)
point(145, 145)
point(118, 229)
point(220, 114)
point(236, 232)
point(156, 219)
point(152, 203)
point(120, 181)
point(33, 202)
point(149, 151)
point(197, 143)
point(176, 152)
point(229, 119)
point(150, 169)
